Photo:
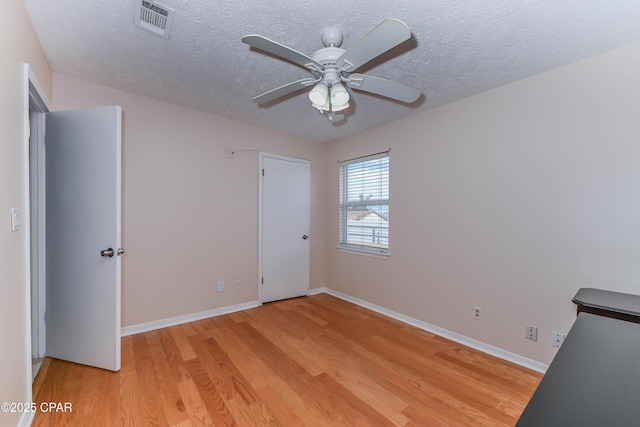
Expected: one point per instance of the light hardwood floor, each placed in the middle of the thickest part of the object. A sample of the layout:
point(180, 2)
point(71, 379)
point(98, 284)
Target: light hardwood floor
point(312, 361)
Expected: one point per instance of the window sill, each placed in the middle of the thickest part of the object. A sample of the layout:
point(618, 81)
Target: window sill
point(364, 252)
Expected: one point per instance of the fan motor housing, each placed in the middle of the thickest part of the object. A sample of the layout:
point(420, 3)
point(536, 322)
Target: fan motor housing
point(328, 55)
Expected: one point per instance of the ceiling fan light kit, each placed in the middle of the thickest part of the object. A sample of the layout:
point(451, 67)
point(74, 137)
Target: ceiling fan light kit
point(332, 67)
point(319, 95)
point(339, 95)
point(340, 107)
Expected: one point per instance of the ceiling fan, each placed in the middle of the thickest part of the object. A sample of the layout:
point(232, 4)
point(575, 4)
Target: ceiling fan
point(332, 66)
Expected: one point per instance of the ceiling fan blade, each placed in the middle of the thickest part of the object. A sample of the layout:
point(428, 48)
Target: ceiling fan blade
point(281, 91)
point(282, 51)
point(384, 87)
point(387, 35)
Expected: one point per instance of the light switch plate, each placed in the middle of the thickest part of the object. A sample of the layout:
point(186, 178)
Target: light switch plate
point(15, 220)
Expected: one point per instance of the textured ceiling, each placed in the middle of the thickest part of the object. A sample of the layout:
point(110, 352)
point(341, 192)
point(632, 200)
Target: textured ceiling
point(459, 48)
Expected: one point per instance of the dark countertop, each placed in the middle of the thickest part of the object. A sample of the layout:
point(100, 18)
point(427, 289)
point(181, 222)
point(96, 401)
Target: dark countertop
point(594, 379)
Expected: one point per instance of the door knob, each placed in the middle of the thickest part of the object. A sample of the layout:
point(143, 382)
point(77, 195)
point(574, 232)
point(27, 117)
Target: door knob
point(107, 252)
point(305, 237)
point(120, 251)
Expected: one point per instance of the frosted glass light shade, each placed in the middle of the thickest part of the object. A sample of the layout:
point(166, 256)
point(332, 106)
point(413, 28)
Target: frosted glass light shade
point(319, 95)
point(339, 95)
point(325, 107)
point(339, 108)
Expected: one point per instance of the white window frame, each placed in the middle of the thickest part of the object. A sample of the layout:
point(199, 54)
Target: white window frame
point(344, 204)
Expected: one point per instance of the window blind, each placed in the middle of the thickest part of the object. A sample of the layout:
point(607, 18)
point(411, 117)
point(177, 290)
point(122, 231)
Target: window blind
point(364, 203)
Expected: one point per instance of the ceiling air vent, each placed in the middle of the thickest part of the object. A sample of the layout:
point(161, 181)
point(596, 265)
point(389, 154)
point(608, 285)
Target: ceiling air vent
point(153, 17)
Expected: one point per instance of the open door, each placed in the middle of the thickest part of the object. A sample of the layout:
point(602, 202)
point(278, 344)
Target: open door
point(83, 215)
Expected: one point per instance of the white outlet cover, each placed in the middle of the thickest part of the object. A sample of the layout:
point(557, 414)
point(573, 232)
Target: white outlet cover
point(557, 339)
point(477, 312)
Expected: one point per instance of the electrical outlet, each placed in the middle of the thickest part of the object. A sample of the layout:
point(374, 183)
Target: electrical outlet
point(477, 312)
point(556, 339)
point(237, 285)
point(531, 333)
point(220, 287)
point(229, 153)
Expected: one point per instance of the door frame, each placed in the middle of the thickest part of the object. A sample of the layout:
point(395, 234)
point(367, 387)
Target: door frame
point(36, 106)
point(261, 156)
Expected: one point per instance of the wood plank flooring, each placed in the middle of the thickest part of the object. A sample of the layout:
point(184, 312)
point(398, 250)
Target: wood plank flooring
point(312, 361)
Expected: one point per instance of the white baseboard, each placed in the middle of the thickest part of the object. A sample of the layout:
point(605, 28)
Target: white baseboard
point(165, 323)
point(453, 336)
point(461, 339)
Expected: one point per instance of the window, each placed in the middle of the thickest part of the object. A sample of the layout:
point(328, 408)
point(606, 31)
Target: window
point(364, 204)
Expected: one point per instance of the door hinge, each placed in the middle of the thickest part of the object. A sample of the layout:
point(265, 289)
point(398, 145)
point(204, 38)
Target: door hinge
point(263, 280)
point(262, 172)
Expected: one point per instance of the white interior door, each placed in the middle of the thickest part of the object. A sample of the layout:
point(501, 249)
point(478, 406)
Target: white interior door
point(285, 227)
point(83, 193)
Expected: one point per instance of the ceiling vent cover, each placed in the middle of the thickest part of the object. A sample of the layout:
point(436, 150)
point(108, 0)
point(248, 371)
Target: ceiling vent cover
point(153, 17)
